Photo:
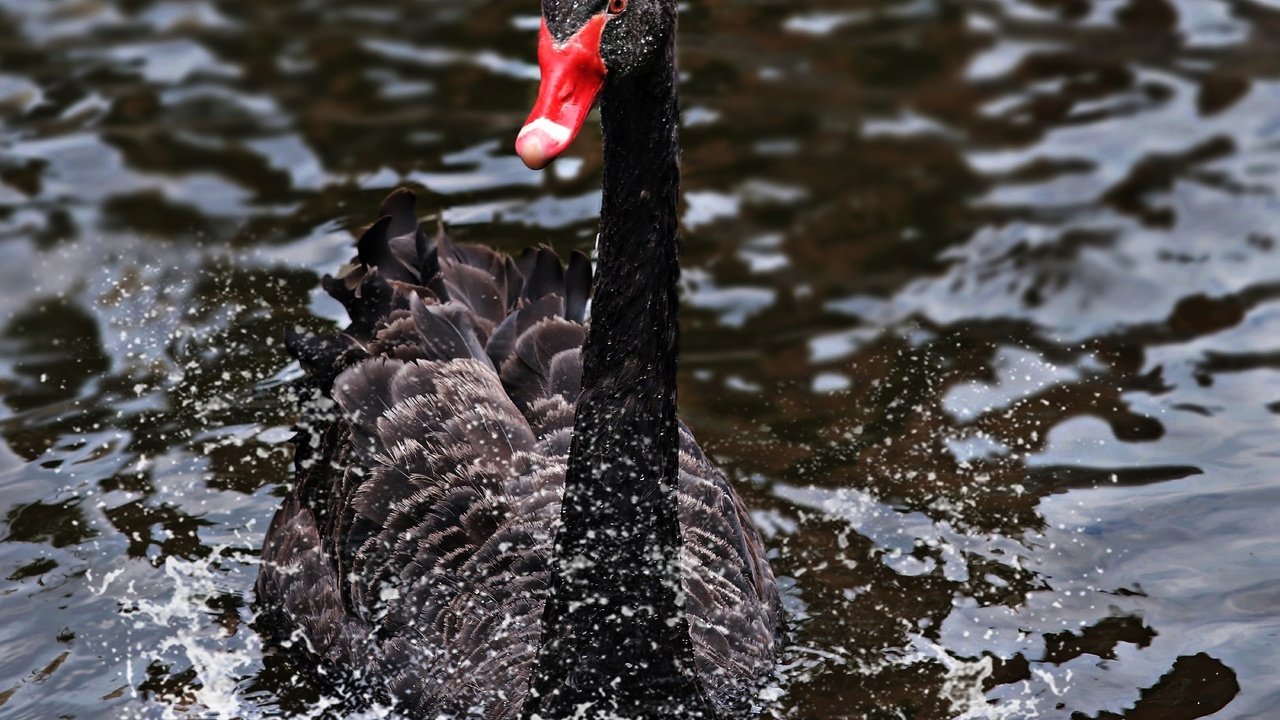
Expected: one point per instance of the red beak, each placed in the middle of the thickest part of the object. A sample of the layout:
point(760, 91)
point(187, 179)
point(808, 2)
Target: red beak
point(572, 75)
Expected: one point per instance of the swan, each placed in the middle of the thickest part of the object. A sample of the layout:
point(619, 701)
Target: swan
point(496, 511)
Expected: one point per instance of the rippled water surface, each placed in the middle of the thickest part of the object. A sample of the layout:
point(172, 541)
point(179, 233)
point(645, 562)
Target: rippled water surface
point(982, 312)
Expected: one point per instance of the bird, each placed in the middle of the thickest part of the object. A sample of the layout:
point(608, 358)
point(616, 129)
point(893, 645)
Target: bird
point(496, 511)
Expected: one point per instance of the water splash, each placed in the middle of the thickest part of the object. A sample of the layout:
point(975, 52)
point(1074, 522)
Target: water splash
point(217, 656)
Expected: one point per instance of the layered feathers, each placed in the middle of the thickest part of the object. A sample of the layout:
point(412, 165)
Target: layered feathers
point(412, 557)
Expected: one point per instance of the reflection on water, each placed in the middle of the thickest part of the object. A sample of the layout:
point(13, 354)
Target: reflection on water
point(982, 301)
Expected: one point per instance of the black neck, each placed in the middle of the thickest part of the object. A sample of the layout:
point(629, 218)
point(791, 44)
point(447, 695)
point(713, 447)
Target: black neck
point(614, 629)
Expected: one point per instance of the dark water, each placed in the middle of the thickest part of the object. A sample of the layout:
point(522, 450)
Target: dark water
point(982, 311)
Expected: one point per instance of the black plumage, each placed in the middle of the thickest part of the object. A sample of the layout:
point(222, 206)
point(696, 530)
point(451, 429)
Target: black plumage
point(497, 512)
point(412, 556)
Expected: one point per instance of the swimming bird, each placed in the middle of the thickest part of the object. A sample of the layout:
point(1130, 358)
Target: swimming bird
point(497, 512)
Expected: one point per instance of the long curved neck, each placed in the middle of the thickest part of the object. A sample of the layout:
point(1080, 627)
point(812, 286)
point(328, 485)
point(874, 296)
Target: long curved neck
point(614, 631)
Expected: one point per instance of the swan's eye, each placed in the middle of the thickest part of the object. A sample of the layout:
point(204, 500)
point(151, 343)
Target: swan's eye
point(617, 6)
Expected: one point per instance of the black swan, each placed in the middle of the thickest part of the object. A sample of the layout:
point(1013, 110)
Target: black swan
point(497, 513)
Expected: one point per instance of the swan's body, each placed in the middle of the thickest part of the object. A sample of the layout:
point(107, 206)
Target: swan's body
point(416, 544)
point(498, 515)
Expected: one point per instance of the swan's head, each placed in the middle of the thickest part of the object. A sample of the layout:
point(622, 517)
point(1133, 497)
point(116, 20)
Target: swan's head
point(582, 44)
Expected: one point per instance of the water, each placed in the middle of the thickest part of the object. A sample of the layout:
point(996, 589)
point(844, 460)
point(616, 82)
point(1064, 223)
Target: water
point(982, 312)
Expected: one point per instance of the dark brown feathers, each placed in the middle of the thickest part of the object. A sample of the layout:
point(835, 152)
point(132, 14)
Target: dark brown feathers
point(412, 555)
